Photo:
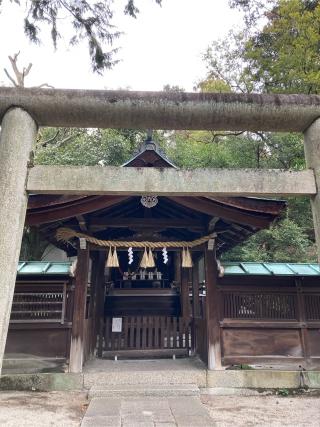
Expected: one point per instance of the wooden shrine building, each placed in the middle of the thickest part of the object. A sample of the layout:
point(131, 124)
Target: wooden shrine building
point(170, 308)
point(269, 315)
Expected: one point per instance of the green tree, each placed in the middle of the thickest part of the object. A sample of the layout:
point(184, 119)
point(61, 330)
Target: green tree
point(277, 51)
point(280, 47)
point(88, 20)
point(281, 243)
point(86, 147)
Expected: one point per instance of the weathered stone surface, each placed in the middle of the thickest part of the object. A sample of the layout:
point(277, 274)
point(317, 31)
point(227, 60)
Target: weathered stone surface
point(105, 373)
point(101, 421)
point(18, 133)
point(232, 391)
point(164, 182)
point(253, 379)
point(312, 155)
point(189, 412)
point(164, 390)
point(147, 412)
point(41, 382)
point(104, 407)
point(164, 110)
point(311, 379)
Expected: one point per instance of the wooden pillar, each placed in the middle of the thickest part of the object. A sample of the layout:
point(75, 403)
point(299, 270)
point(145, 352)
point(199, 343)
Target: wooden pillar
point(195, 290)
point(312, 155)
point(18, 134)
point(93, 281)
point(96, 299)
point(100, 296)
point(304, 334)
point(212, 310)
point(185, 273)
point(195, 304)
point(177, 267)
point(79, 311)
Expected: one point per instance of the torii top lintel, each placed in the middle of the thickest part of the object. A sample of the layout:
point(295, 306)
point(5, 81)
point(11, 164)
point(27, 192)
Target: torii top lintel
point(164, 110)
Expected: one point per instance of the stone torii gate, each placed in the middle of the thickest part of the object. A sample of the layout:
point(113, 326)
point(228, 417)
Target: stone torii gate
point(23, 110)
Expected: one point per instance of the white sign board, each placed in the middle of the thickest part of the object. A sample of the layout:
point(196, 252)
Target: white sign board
point(116, 324)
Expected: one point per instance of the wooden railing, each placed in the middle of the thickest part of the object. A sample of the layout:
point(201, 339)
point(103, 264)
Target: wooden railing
point(41, 319)
point(39, 303)
point(147, 333)
point(258, 305)
point(268, 323)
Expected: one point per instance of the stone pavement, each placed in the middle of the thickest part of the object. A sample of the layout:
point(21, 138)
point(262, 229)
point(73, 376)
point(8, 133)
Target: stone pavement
point(182, 411)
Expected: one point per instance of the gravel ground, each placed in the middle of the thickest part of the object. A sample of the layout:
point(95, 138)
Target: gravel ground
point(263, 411)
point(20, 409)
point(66, 410)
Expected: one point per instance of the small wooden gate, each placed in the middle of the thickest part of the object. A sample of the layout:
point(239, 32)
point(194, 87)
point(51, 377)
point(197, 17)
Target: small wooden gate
point(145, 334)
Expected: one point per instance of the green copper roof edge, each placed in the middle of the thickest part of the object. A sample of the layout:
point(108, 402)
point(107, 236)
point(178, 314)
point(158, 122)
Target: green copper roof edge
point(44, 268)
point(290, 269)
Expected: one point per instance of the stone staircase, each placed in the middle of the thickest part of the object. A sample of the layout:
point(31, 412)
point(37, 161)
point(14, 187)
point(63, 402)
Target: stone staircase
point(145, 394)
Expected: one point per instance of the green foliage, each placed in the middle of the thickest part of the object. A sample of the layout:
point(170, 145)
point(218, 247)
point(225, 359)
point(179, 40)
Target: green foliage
point(283, 242)
point(86, 147)
point(284, 56)
point(225, 63)
point(173, 88)
point(279, 49)
point(284, 392)
point(88, 20)
point(193, 149)
point(213, 85)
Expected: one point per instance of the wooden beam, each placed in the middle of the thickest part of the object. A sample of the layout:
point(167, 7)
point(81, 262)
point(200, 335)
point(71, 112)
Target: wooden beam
point(163, 110)
point(95, 180)
point(228, 214)
point(143, 223)
point(47, 214)
point(79, 310)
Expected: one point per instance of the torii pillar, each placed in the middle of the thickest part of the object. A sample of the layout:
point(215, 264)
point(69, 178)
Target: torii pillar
point(18, 133)
point(312, 156)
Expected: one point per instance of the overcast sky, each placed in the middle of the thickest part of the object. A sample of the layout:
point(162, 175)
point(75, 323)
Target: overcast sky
point(162, 46)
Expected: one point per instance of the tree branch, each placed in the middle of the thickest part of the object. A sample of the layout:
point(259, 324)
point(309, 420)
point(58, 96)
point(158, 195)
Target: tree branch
point(10, 78)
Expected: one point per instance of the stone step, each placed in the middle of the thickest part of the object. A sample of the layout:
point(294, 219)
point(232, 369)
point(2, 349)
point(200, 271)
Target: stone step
point(134, 390)
point(145, 378)
point(146, 411)
point(144, 372)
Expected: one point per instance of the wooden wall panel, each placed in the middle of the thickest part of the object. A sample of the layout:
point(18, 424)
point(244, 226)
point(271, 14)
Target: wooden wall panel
point(314, 342)
point(39, 342)
point(261, 342)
